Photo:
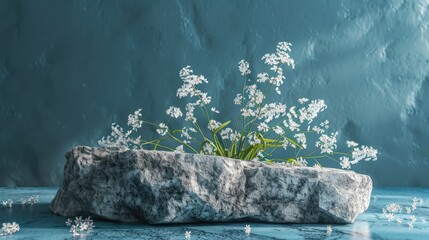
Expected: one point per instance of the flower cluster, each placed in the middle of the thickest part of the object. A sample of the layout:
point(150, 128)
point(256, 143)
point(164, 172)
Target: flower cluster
point(9, 228)
point(8, 203)
point(80, 225)
point(31, 200)
point(263, 124)
point(392, 212)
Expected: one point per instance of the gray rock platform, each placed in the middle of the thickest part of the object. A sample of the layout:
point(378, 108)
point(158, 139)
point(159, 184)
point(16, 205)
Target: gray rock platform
point(159, 187)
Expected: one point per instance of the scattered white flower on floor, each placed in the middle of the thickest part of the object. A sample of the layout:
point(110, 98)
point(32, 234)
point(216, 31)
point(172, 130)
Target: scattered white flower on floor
point(414, 206)
point(398, 220)
point(80, 225)
point(9, 228)
point(410, 225)
point(188, 235)
point(408, 209)
point(390, 217)
point(393, 207)
point(8, 203)
point(329, 229)
point(174, 112)
point(69, 222)
point(247, 229)
point(413, 218)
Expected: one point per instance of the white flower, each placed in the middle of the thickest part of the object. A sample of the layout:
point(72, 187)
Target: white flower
point(74, 229)
point(224, 134)
point(351, 144)
point(302, 140)
point(174, 112)
point(270, 59)
point(213, 124)
point(398, 220)
point(162, 130)
point(284, 47)
point(8, 203)
point(317, 167)
point(329, 229)
point(327, 143)
point(134, 120)
point(238, 100)
point(410, 225)
point(262, 77)
point(390, 217)
point(235, 136)
point(253, 139)
point(278, 130)
point(413, 218)
point(312, 110)
point(345, 163)
point(243, 66)
point(393, 207)
point(179, 149)
point(263, 127)
point(9, 228)
point(188, 235)
point(247, 229)
point(364, 153)
point(186, 71)
point(408, 209)
point(208, 148)
point(301, 162)
point(303, 100)
point(214, 110)
point(69, 222)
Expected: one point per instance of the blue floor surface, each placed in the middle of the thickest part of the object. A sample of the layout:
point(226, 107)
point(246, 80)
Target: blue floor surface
point(37, 222)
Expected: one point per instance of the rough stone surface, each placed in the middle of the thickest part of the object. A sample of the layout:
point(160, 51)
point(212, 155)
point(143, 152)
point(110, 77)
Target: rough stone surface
point(167, 187)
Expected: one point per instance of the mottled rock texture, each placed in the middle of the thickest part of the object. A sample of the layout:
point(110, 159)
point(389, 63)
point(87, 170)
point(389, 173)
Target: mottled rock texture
point(167, 187)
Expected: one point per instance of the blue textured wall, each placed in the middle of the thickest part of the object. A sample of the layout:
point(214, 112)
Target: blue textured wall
point(70, 68)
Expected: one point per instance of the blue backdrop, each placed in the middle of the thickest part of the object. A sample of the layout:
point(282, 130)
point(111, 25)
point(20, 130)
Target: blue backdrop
point(70, 68)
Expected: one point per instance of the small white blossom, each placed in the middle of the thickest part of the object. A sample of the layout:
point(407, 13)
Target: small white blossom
point(398, 220)
point(188, 235)
point(9, 228)
point(413, 218)
point(213, 124)
point(214, 110)
point(345, 163)
point(162, 130)
point(329, 229)
point(247, 229)
point(208, 148)
point(238, 100)
point(179, 149)
point(303, 100)
point(262, 77)
point(390, 217)
point(302, 140)
point(224, 134)
point(8, 203)
point(174, 112)
point(410, 225)
point(327, 143)
point(243, 66)
point(278, 130)
point(317, 167)
point(263, 127)
point(351, 144)
point(69, 222)
point(408, 209)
